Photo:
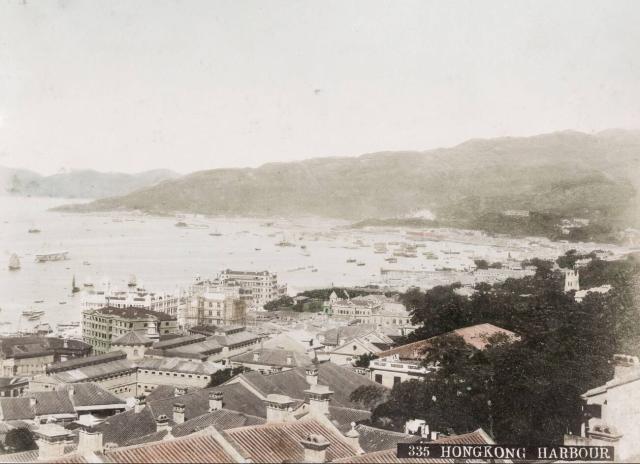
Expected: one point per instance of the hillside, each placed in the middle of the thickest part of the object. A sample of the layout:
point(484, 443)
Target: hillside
point(566, 173)
point(78, 184)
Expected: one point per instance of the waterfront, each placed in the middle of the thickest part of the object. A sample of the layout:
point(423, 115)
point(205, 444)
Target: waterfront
point(112, 246)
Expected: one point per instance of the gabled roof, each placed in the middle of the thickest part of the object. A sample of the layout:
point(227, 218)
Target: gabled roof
point(132, 313)
point(132, 339)
point(272, 357)
point(120, 428)
point(279, 442)
point(333, 336)
point(200, 448)
point(86, 373)
point(90, 394)
point(479, 437)
point(86, 361)
point(46, 404)
point(293, 383)
point(476, 336)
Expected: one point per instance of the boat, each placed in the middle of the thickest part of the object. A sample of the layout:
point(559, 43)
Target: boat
point(380, 248)
point(284, 243)
point(62, 302)
point(34, 231)
point(39, 301)
point(257, 249)
point(86, 263)
point(133, 281)
point(181, 224)
point(351, 260)
point(67, 325)
point(87, 283)
point(360, 263)
point(391, 259)
point(215, 234)
point(32, 313)
point(14, 262)
point(53, 256)
point(314, 270)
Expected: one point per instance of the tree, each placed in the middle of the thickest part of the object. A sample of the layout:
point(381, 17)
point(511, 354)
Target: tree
point(364, 359)
point(368, 396)
point(220, 377)
point(18, 440)
point(481, 264)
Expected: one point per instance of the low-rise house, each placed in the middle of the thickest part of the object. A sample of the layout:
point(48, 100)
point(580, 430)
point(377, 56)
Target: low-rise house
point(267, 361)
point(612, 412)
point(370, 309)
point(66, 403)
point(348, 353)
point(26, 356)
point(13, 386)
point(405, 362)
point(126, 378)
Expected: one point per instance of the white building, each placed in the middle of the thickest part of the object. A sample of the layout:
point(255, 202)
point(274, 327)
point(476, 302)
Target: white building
point(263, 284)
point(370, 309)
point(133, 297)
point(612, 413)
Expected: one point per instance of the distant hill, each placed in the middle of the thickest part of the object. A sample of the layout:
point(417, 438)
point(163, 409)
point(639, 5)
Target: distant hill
point(565, 173)
point(78, 184)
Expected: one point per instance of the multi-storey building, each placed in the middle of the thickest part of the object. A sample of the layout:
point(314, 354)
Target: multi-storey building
point(101, 326)
point(370, 309)
point(263, 284)
point(219, 308)
point(133, 297)
point(30, 355)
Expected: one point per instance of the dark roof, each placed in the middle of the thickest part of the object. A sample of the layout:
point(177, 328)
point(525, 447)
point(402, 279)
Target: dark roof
point(13, 381)
point(178, 341)
point(133, 313)
point(86, 373)
point(91, 394)
point(86, 361)
point(374, 439)
point(280, 442)
point(46, 403)
point(132, 339)
point(30, 346)
point(16, 408)
point(126, 426)
point(273, 357)
point(342, 381)
point(479, 437)
point(334, 336)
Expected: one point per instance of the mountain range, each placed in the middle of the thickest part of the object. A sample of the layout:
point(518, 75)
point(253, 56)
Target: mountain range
point(565, 173)
point(78, 184)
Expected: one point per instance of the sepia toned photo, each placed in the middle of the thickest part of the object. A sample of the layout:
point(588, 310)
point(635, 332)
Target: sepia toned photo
point(342, 231)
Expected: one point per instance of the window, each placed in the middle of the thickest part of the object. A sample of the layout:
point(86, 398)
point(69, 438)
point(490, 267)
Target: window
point(378, 378)
point(396, 380)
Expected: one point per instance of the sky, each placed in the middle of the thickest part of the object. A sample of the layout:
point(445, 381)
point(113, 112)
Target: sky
point(189, 85)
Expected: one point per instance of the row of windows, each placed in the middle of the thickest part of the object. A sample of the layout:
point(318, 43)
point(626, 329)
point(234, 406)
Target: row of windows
point(190, 376)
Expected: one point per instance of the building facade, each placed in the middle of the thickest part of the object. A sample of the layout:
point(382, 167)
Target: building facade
point(101, 326)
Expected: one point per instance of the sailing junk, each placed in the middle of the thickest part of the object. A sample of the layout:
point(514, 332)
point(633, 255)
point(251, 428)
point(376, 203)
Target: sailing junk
point(14, 262)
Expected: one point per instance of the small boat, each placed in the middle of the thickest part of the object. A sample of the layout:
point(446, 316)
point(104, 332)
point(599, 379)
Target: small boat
point(181, 224)
point(34, 231)
point(87, 283)
point(257, 249)
point(391, 259)
point(215, 234)
point(133, 281)
point(62, 302)
point(39, 301)
point(351, 260)
point(361, 263)
point(86, 263)
point(53, 256)
point(284, 243)
point(314, 270)
point(14, 262)
point(32, 313)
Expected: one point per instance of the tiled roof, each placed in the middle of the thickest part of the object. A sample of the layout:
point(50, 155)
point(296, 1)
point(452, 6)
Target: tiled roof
point(91, 372)
point(126, 426)
point(133, 313)
point(278, 442)
point(293, 383)
point(179, 365)
point(333, 336)
point(343, 417)
point(235, 397)
point(46, 403)
point(30, 346)
point(273, 357)
point(236, 338)
point(476, 336)
point(132, 339)
point(12, 381)
point(374, 439)
point(16, 409)
point(201, 448)
point(479, 437)
point(32, 456)
point(178, 341)
point(86, 361)
point(90, 394)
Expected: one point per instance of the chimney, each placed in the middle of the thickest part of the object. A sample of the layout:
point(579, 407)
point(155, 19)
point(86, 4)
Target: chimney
point(315, 448)
point(178, 413)
point(319, 397)
point(89, 441)
point(279, 408)
point(51, 440)
point(625, 365)
point(353, 436)
point(215, 401)
point(162, 423)
point(256, 356)
point(140, 403)
point(65, 343)
point(312, 374)
point(71, 390)
point(32, 402)
point(289, 360)
point(179, 391)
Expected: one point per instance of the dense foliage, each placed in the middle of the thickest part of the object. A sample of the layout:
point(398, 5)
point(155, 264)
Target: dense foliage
point(221, 376)
point(526, 392)
point(18, 440)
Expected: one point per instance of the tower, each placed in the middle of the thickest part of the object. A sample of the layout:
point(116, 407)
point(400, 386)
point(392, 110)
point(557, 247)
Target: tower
point(571, 280)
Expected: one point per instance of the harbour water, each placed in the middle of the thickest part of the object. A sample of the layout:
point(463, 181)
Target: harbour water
point(164, 257)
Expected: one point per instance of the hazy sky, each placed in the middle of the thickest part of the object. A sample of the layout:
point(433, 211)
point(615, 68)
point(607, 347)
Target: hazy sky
point(188, 85)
